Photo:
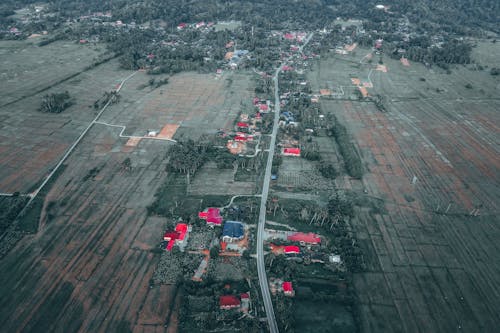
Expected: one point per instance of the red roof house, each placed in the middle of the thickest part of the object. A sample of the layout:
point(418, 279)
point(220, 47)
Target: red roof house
point(287, 68)
point(181, 26)
point(263, 107)
point(256, 100)
point(291, 151)
point(242, 124)
point(303, 238)
point(227, 302)
point(288, 289)
point(292, 249)
point(240, 138)
point(212, 216)
point(175, 237)
point(289, 36)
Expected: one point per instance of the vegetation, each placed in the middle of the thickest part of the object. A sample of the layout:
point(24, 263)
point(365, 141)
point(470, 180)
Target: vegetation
point(352, 161)
point(56, 102)
point(9, 209)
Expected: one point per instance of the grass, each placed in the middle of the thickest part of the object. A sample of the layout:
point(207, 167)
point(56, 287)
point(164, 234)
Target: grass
point(31, 217)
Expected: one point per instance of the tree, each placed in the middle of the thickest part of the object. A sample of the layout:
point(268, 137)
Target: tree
point(56, 102)
point(214, 252)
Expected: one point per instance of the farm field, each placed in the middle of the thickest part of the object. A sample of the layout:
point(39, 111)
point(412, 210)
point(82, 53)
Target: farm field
point(28, 68)
point(90, 265)
point(432, 157)
point(31, 142)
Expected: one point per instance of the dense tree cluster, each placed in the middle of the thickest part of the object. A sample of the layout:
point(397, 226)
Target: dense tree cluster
point(56, 102)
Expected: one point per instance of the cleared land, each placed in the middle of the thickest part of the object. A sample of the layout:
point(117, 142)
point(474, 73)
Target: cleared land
point(31, 142)
point(90, 266)
point(432, 266)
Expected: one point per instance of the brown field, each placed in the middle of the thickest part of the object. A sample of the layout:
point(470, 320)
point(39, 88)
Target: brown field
point(431, 266)
point(89, 267)
point(32, 142)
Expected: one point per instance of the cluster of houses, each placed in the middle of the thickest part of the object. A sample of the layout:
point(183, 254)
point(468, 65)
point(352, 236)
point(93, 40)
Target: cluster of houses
point(247, 127)
point(232, 231)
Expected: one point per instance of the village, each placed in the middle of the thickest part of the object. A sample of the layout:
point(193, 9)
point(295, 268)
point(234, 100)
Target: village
point(221, 238)
point(253, 166)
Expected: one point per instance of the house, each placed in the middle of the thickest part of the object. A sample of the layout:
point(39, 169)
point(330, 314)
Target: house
point(212, 216)
point(263, 107)
point(233, 231)
point(303, 238)
point(181, 26)
point(228, 302)
point(291, 249)
point(177, 237)
point(288, 289)
point(286, 68)
point(200, 24)
point(242, 125)
point(290, 152)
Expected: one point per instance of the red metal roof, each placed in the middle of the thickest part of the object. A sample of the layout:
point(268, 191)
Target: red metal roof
point(170, 245)
point(263, 107)
point(241, 124)
point(181, 229)
point(292, 151)
point(244, 295)
point(287, 287)
point(170, 235)
point(240, 138)
point(213, 216)
point(303, 237)
point(292, 249)
point(229, 301)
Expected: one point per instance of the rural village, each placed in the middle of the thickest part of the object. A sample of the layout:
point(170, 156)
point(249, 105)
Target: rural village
point(220, 176)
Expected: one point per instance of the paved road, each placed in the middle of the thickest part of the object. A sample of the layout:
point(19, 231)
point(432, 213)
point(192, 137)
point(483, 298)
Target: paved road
point(261, 269)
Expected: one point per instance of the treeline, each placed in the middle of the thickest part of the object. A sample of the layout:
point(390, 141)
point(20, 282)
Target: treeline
point(452, 52)
point(9, 209)
point(352, 160)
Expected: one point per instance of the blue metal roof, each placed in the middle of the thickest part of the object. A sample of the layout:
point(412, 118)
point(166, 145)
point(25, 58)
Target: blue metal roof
point(233, 229)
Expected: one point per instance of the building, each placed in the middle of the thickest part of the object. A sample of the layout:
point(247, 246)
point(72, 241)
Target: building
point(287, 289)
point(303, 238)
point(212, 216)
point(233, 231)
point(291, 152)
point(228, 302)
point(177, 237)
point(291, 249)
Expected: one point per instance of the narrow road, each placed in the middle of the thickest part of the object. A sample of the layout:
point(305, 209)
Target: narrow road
point(261, 269)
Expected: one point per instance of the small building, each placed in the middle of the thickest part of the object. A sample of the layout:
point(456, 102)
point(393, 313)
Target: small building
point(290, 152)
point(288, 289)
point(304, 238)
point(181, 26)
point(241, 124)
point(228, 302)
point(233, 231)
point(245, 302)
point(291, 249)
point(212, 216)
point(334, 259)
point(263, 108)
